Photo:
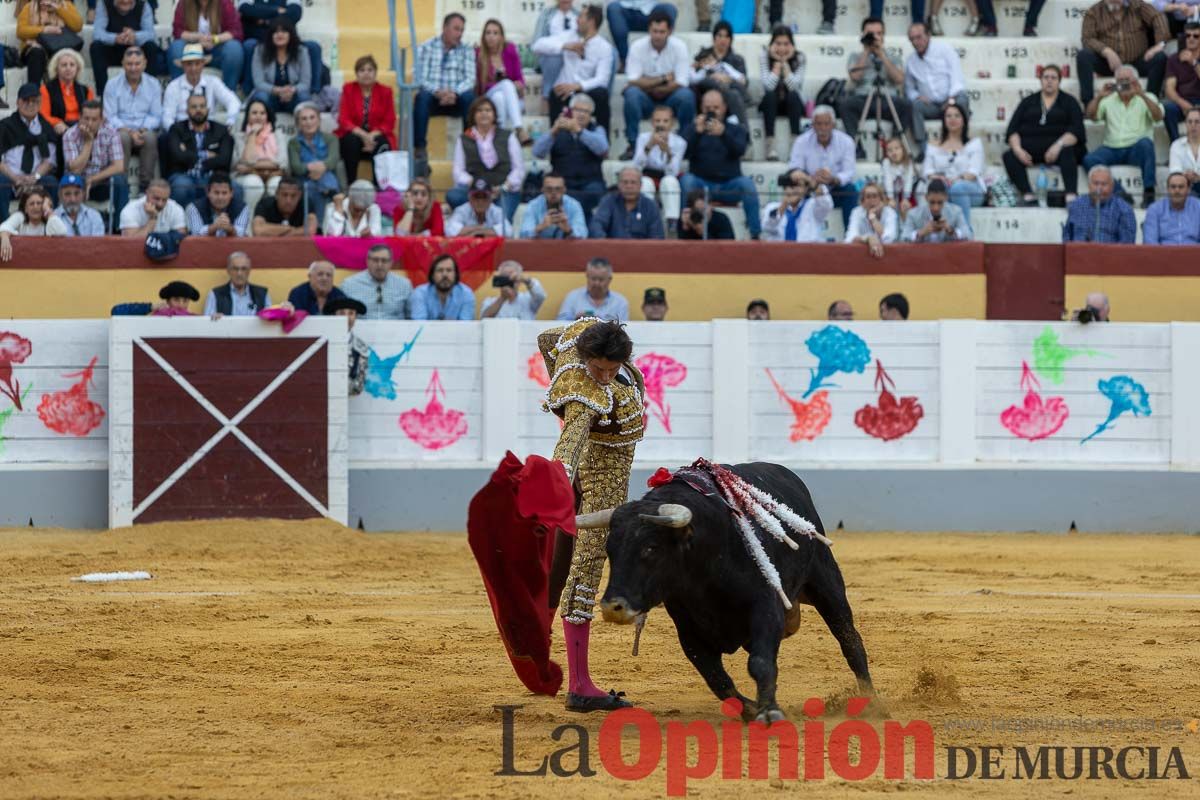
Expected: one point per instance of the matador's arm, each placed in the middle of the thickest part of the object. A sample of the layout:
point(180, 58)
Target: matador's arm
point(573, 440)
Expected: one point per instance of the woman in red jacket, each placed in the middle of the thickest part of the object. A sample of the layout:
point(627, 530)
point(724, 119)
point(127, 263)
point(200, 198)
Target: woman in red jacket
point(366, 117)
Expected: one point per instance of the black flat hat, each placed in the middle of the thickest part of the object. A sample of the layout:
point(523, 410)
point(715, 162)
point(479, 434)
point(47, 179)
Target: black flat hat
point(179, 289)
point(334, 306)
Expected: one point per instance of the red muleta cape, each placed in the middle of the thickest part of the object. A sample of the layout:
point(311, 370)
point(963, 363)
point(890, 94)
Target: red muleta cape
point(511, 527)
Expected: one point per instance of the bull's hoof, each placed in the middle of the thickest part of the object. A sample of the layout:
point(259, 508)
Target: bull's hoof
point(769, 715)
point(608, 702)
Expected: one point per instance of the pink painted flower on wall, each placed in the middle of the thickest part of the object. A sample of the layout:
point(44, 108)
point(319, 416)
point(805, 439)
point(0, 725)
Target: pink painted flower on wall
point(14, 349)
point(72, 412)
point(661, 373)
point(1038, 417)
point(536, 371)
point(810, 417)
point(434, 427)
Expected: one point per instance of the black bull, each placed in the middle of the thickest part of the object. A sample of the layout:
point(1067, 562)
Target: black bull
point(713, 590)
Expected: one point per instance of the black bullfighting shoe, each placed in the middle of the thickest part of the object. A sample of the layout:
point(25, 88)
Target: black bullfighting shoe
point(609, 702)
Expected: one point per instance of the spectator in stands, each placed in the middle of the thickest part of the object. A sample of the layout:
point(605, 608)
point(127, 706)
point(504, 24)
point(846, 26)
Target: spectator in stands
point(1185, 151)
point(133, 105)
point(1130, 114)
point(237, 297)
point(479, 216)
point(933, 77)
point(758, 309)
point(702, 221)
point(1178, 15)
point(658, 70)
point(63, 95)
point(869, 69)
point(92, 148)
point(1121, 32)
point(281, 69)
point(510, 302)
point(58, 21)
point(384, 293)
point(893, 307)
point(1182, 87)
point(80, 220)
point(354, 213)
point(781, 68)
point(195, 150)
point(215, 26)
point(587, 65)
point(654, 305)
point(34, 217)
point(257, 16)
point(958, 160)
point(29, 154)
point(486, 152)
point(219, 213)
point(840, 311)
point(901, 180)
point(498, 76)
point(283, 214)
point(935, 220)
point(635, 15)
point(595, 299)
point(444, 295)
point(419, 214)
point(360, 351)
point(1046, 128)
point(718, 67)
point(313, 157)
point(626, 213)
point(555, 20)
point(1176, 218)
point(553, 214)
point(192, 81)
point(576, 146)
point(1096, 303)
point(874, 223)
point(120, 25)
point(155, 212)
point(827, 155)
point(445, 71)
point(659, 155)
point(801, 216)
point(1100, 216)
point(259, 153)
point(366, 117)
point(716, 145)
point(312, 295)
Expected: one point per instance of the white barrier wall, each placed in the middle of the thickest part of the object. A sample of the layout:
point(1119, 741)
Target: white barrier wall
point(872, 394)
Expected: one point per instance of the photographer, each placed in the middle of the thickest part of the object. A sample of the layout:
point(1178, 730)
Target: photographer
point(1131, 113)
point(576, 146)
point(716, 144)
point(553, 214)
point(510, 302)
point(1095, 309)
point(700, 221)
point(872, 72)
point(799, 218)
point(659, 154)
point(936, 220)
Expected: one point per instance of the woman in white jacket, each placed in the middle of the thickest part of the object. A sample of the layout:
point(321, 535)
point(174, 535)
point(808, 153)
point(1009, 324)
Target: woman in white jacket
point(873, 223)
point(958, 160)
point(354, 213)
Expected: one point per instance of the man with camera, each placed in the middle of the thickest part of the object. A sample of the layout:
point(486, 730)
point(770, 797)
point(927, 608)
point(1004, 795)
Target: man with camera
point(935, 220)
point(510, 302)
point(553, 214)
point(1099, 216)
point(1130, 114)
point(1095, 309)
point(1116, 32)
point(701, 221)
point(659, 154)
point(874, 84)
point(800, 217)
point(576, 147)
point(716, 143)
point(933, 77)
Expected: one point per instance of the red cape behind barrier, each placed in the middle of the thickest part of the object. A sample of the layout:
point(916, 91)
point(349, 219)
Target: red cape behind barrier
point(511, 526)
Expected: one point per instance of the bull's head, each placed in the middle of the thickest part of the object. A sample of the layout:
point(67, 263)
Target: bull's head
point(645, 543)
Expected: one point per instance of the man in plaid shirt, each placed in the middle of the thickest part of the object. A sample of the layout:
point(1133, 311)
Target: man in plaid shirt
point(1098, 216)
point(445, 71)
point(92, 148)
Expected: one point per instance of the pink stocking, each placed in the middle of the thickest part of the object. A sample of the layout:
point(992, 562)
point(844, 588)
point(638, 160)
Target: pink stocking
point(576, 638)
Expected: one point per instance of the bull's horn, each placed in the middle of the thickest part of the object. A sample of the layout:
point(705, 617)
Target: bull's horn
point(670, 515)
point(596, 519)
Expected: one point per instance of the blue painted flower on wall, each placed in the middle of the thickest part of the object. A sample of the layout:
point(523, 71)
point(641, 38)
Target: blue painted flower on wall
point(1126, 395)
point(836, 350)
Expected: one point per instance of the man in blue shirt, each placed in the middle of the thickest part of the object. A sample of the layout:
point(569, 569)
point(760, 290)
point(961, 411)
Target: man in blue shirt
point(1098, 216)
point(121, 24)
point(595, 299)
point(553, 214)
point(133, 104)
point(239, 297)
point(444, 296)
point(627, 213)
point(1175, 219)
point(319, 290)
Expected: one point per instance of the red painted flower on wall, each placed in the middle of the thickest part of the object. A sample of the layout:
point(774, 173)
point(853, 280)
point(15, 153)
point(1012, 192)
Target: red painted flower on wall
point(660, 373)
point(889, 419)
point(72, 412)
point(809, 416)
point(14, 349)
point(434, 427)
point(537, 370)
point(1038, 417)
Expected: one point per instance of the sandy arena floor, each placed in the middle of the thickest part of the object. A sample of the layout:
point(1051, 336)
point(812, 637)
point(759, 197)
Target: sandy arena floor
point(271, 659)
